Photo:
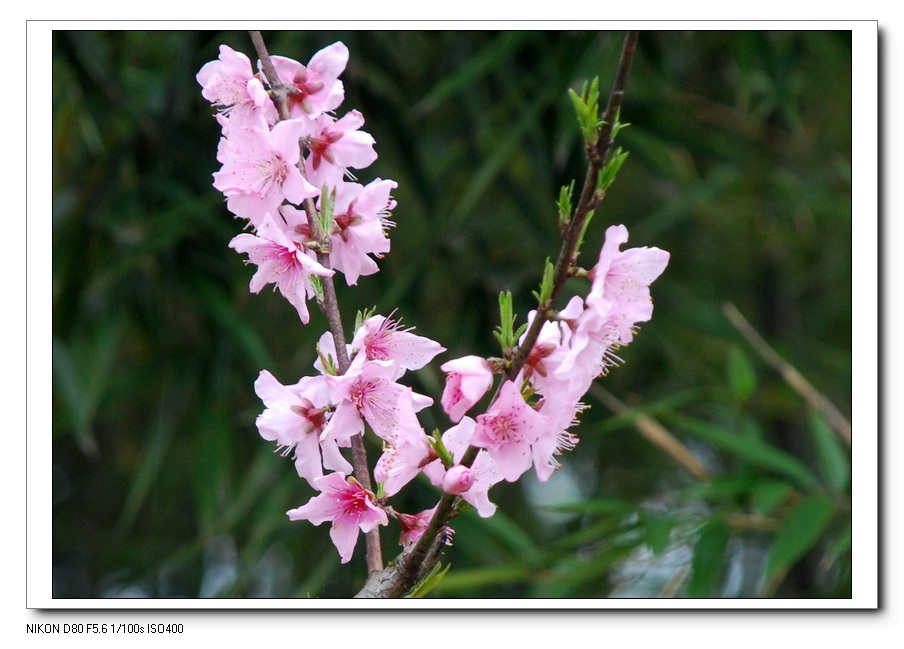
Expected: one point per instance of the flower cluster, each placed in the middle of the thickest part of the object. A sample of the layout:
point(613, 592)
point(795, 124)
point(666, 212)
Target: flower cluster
point(284, 171)
point(277, 173)
point(527, 424)
point(314, 418)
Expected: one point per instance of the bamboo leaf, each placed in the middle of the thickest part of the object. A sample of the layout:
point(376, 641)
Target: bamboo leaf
point(741, 375)
point(752, 450)
point(709, 558)
point(800, 532)
point(834, 463)
point(769, 495)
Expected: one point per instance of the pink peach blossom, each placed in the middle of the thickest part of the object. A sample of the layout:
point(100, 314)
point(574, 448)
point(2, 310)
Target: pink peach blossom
point(467, 379)
point(294, 417)
point(259, 169)
point(508, 430)
point(336, 146)
point(383, 339)
point(280, 261)
point(315, 87)
point(347, 505)
point(621, 282)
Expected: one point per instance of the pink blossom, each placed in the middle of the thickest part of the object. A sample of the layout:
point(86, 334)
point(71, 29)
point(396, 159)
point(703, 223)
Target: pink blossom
point(372, 395)
point(361, 219)
point(259, 169)
point(294, 417)
point(349, 507)
point(561, 413)
point(280, 261)
point(467, 379)
point(591, 352)
point(621, 282)
point(405, 451)
point(406, 447)
point(413, 526)
point(337, 146)
point(508, 429)
point(383, 339)
point(551, 350)
point(229, 83)
point(315, 88)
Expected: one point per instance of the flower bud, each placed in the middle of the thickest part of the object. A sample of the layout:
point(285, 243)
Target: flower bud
point(458, 480)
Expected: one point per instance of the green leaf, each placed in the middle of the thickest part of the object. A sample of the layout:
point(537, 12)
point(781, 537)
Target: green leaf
point(564, 203)
point(327, 203)
point(469, 580)
point(839, 546)
point(84, 377)
point(482, 64)
point(436, 441)
point(427, 584)
point(363, 316)
point(598, 507)
point(801, 531)
point(752, 450)
point(505, 331)
point(607, 174)
point(834, 463)
point(721, 488)
point(546, 286)
point(586, 107)
point(159, 437)
point(241, 334)
point(741, 375)
point(658, 531)
point(769, 495)
point(512, 536)
point(709, 558)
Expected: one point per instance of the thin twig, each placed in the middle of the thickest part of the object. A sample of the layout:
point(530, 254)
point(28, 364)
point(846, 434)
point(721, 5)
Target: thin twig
point(788, 372)
point(589, 200)
point(655, 433)
point(328, 302)
point(419, 558)
point(276, 84)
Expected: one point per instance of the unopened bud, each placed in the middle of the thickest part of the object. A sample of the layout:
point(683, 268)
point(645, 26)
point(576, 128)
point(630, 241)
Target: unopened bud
point(458, 480)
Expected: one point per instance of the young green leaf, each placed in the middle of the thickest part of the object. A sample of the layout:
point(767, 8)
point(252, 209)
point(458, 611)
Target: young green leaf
point(586, 107)
point(505, 333)
point(429, 582)
point(610, 170)
point(564, 204)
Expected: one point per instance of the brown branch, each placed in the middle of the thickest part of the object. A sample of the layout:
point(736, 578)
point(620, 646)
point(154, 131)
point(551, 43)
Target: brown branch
point(405, 572)
point(280, 94)
point(420, 558)
point(788, 372)
point(328, 302)
point(589, 200)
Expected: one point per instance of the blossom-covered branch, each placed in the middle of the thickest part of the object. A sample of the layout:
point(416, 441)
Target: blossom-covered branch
point(286, 170)
point(557, 360)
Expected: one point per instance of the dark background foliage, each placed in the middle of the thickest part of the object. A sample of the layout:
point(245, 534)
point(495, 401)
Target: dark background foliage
point(740, 166)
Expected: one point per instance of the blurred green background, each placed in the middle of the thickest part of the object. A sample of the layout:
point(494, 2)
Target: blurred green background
point(740, 150)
